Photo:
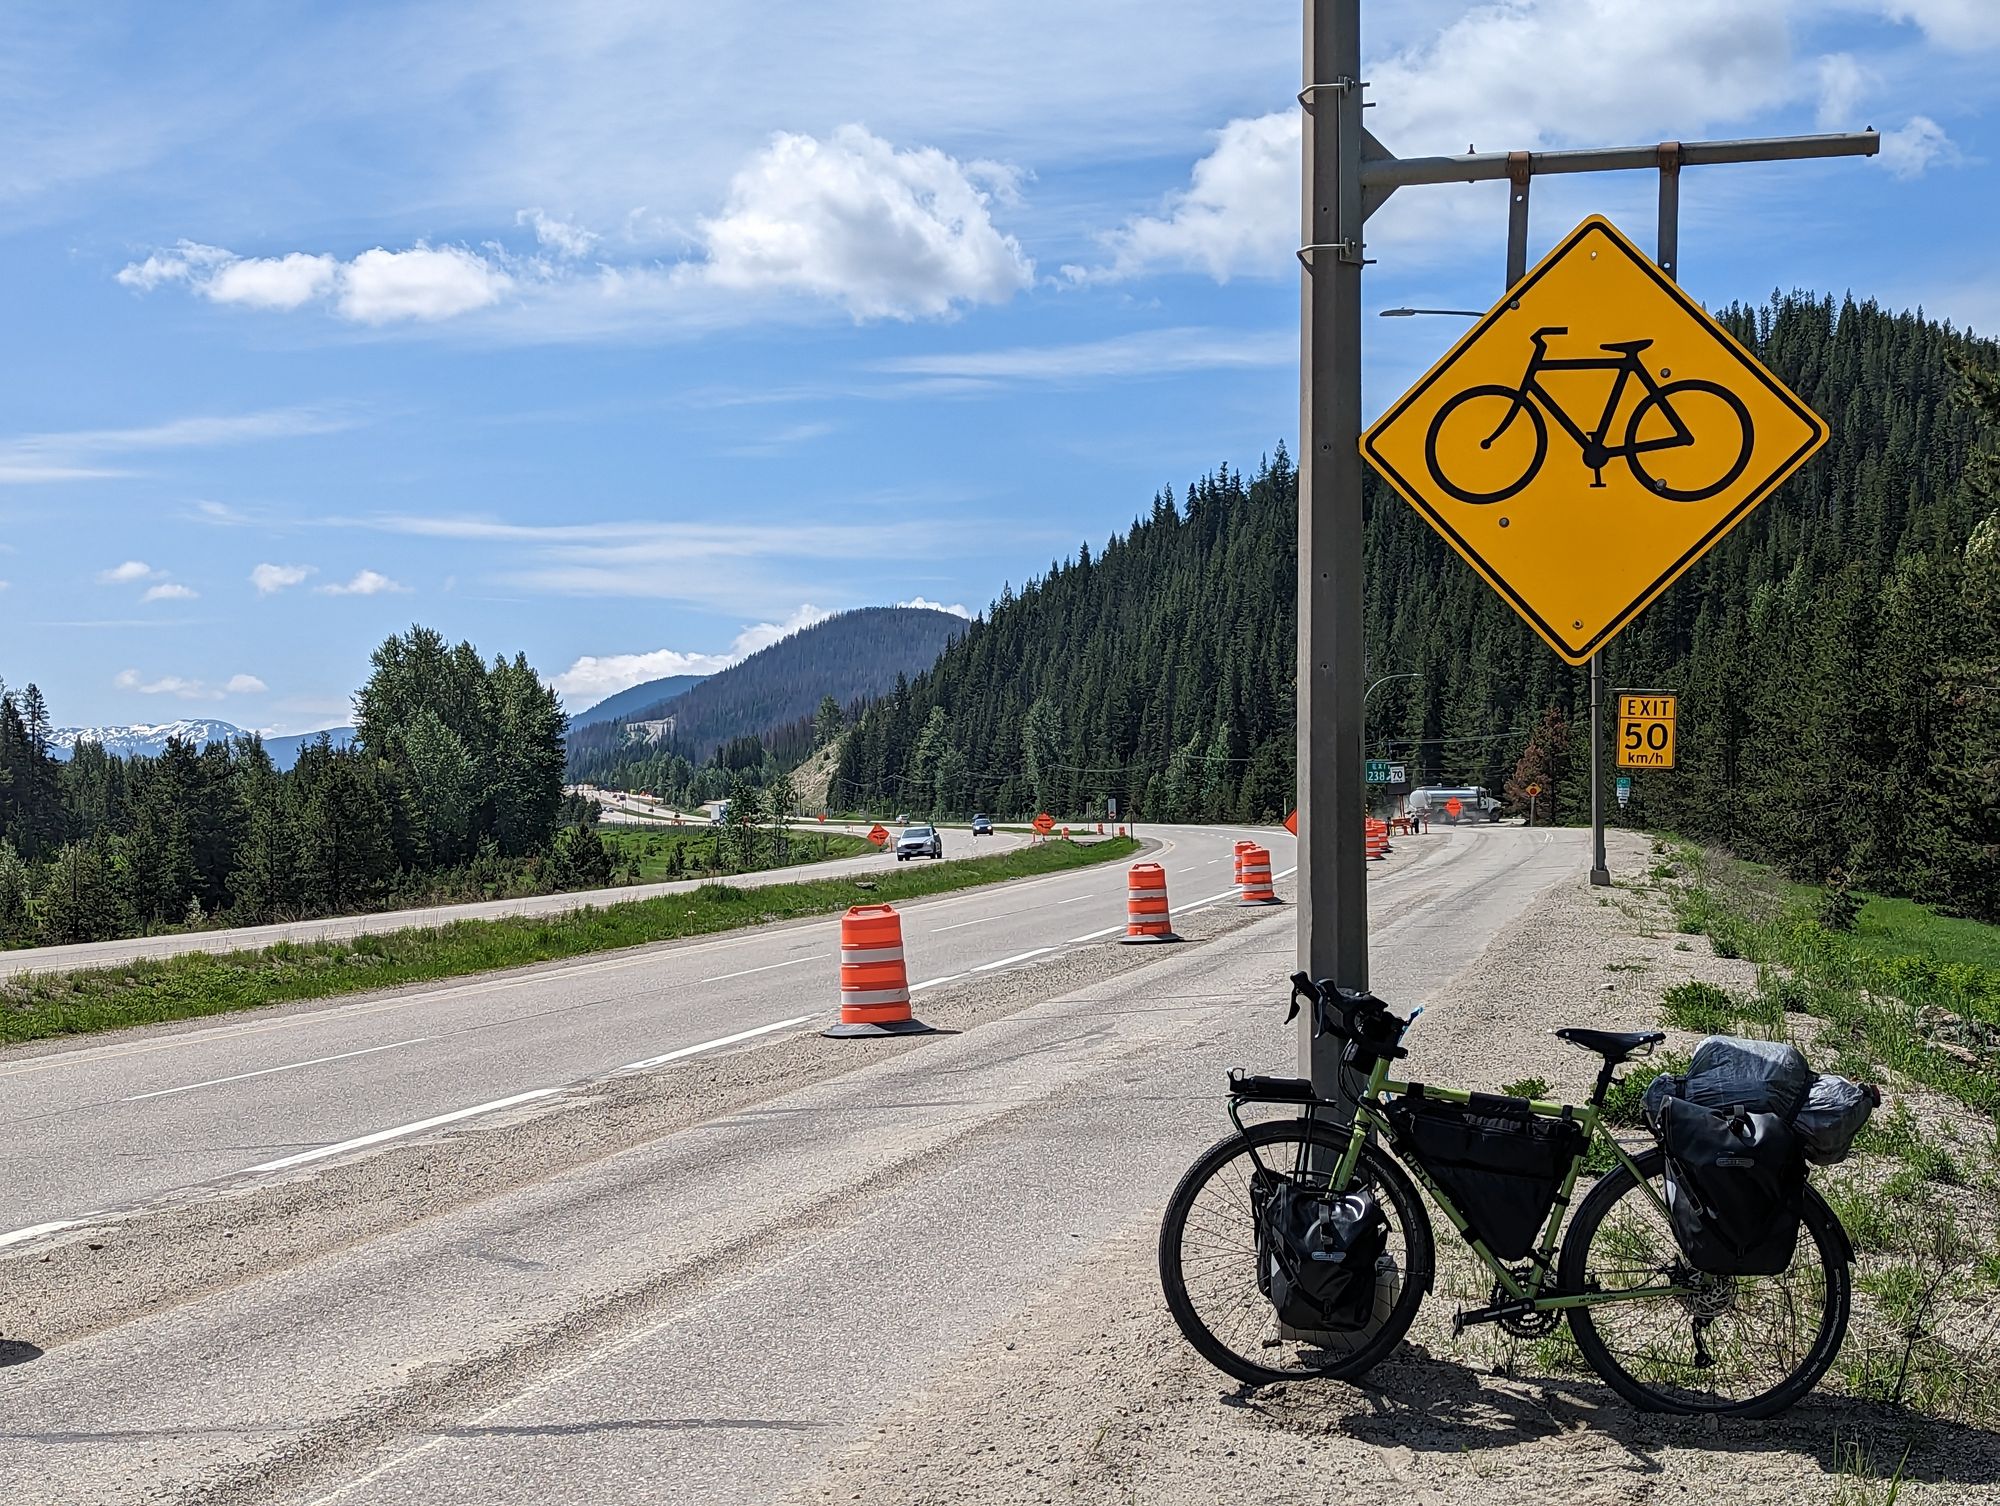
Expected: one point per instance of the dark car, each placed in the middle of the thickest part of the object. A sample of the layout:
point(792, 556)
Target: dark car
point(982, 826)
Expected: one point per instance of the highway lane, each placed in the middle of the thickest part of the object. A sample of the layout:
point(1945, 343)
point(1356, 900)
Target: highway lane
point(711, 1315)
point(958, 846)
point(94, 1126)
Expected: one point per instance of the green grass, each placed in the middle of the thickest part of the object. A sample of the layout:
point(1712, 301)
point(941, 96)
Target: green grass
point(651, 846)
point(37, 1006)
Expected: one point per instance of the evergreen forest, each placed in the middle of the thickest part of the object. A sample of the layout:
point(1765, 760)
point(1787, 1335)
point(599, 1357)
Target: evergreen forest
point(1837, 656)
point(452, 789)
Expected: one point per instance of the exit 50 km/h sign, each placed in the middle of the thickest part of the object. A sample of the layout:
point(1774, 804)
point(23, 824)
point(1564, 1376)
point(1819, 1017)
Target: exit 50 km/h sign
point(1592, 437)
point(1646, 729)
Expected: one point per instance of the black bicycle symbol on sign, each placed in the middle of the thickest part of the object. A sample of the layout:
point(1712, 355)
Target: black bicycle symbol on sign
point(1718, 442)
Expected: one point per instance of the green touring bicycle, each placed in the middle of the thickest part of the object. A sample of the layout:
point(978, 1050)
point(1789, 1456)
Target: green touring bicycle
point(1298, 1246)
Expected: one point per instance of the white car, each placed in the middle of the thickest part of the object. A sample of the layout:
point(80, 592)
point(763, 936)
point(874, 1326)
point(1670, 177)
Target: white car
point(919, 842)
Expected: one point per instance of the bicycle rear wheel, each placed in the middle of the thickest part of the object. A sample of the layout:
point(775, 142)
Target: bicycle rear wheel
point(1490, 458)
point(1208, 1256)
point(1748, 1346)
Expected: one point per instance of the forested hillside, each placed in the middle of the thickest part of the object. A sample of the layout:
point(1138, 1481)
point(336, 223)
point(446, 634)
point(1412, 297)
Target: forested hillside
point(1838, 655)
point(453, 789)
point(769, 697)
point(637, 703)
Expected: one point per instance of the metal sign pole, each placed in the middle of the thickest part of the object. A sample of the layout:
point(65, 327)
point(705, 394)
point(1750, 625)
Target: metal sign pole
point(1333, 894)
point(1600, 875)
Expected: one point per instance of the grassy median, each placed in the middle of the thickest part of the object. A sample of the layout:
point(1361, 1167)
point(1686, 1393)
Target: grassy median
point(38, 1006)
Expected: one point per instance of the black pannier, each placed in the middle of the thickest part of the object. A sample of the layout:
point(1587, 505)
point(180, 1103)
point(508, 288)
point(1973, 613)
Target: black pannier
point(1735, 1185)
point(1498, 1161)
point(1317, 1254)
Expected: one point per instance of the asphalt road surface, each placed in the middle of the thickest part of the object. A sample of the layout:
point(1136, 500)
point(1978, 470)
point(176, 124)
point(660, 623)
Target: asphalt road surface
point(709, 1314)
point(46, 959)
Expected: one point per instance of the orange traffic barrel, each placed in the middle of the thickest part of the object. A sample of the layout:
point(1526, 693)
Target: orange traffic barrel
point(1236, 872)
point(874, 983)
point(1146, 917)
point(1255, 878)
point(1378, 842)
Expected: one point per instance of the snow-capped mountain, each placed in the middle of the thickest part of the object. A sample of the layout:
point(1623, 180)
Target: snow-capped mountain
point(146, 738)
point(149, 739)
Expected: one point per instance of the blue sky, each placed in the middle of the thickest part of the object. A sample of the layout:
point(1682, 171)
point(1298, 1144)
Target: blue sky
point(629, 334)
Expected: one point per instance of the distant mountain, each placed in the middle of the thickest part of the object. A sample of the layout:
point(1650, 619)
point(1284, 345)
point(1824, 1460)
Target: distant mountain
point(635, 703)
point(284, 751)
point(149, 739)
point(146, 739)
point(772, 694)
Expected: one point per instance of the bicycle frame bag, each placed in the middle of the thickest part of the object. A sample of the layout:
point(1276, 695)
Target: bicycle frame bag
point(1499, 1163)
point(1316, 1255)
point(1832, 1115)
point(1735, 1185)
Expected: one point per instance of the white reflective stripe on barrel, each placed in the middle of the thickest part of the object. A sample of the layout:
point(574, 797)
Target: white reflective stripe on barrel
point(861, 996)
point(871, 954)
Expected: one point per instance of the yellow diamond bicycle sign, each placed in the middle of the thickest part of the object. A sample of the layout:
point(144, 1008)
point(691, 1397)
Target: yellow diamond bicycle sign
point(1592, 436)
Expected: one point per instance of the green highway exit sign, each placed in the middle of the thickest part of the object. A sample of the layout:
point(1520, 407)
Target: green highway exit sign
point(1382, 771)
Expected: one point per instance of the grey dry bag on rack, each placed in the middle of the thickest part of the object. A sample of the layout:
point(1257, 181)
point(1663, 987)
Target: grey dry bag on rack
point(1735, 1185)
point(1317, 1255)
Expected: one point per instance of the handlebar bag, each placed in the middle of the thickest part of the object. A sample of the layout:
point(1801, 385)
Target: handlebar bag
point(1735, 1185)
point(1317, 1254)
point(1500, 1163)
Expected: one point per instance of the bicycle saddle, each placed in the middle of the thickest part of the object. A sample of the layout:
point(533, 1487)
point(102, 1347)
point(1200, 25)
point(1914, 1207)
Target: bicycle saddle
point(1612, 1045)
point(1625, 347)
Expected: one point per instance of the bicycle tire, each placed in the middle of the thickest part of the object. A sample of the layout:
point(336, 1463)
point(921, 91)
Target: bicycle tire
point(1822, 1239)
point(1663, 396)
point(1401, 1202)
point(1486, 499)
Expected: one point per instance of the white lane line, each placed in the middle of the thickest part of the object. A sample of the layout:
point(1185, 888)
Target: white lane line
point(340, 1056)
point(1076, 899)
point(987, 967)
point(35, 1231)
point(362, 1141)
point(1093, 935)
point(722, 1040)
point(917, 988)
point(959, 925)
point(766, 968)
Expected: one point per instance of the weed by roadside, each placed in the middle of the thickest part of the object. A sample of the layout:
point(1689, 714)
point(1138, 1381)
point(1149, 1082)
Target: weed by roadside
point(38, 1005)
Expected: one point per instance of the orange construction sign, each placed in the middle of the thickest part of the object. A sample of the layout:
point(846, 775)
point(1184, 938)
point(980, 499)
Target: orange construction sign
point(1454, 807)
point(1292, 823)
point(1045, 823)
point(878, 834)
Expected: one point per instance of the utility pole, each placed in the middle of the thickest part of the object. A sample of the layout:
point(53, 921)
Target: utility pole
point(1348, 175)
point(1333, 858)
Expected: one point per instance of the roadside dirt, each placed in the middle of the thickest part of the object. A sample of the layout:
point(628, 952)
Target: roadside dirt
point(1091, 1396)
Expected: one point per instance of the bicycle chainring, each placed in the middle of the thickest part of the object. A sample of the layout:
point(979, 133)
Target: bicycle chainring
point(1527, 1325)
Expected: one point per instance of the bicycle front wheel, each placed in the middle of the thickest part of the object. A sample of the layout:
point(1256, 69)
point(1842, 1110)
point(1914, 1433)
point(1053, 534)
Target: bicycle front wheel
point(1748, 1346)
point(1208, 1256)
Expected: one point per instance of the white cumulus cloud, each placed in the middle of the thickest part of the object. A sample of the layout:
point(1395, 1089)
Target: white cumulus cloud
point(956, 608)
point(559, 236)
point(270, 579)
point(886, 233)
point(177, 686)
point(1914, 148)
point(272, 282)
point(245, 685)
point(594, 676)
point(126, 573)
point(423, 283)
point(1959, 25)
point(364, 583)
point(170, 591)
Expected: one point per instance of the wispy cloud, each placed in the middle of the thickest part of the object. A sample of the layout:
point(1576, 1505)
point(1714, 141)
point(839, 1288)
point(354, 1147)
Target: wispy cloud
point(185, 688)
point(270, 579)
point(72, 455)
point(169, 591)
point(781, 440)
point(131, 570)
point(1147, 353)
point(594, 676)
point(363, 583)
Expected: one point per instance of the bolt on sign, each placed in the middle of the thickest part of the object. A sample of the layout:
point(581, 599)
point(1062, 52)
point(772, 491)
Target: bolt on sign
point(1645, 730)
point(1590, 438)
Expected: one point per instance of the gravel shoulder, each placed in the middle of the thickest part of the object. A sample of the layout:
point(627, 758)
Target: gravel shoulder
point(1092, 1396)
